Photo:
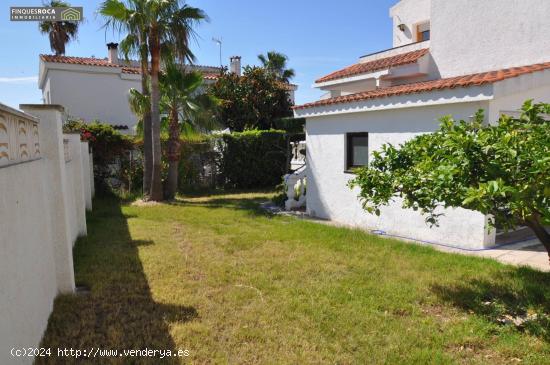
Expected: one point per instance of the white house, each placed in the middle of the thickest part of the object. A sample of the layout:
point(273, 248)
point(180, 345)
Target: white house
point(448, 57)
point(98, 88)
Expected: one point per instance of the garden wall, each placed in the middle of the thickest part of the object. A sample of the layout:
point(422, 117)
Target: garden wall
point(45, 186)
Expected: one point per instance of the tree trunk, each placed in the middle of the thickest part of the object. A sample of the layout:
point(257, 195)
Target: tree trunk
point(173, 154)
point(147, 139)
point(536, 226)
point(156, 176)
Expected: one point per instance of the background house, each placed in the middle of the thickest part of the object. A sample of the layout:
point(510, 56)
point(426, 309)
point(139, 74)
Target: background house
point(449, 57)
point(98, 88)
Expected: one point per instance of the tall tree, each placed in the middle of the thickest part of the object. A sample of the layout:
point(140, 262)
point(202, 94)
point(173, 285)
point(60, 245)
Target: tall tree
point(139, 103)
point(251, 101)
point(168, 26)
point(276, 63)
point(500, 170)
point(60, 33)
point(187, 111)
point(131, 18)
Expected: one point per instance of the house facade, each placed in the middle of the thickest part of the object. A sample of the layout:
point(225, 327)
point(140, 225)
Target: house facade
point(97, 88)
point(448, 58)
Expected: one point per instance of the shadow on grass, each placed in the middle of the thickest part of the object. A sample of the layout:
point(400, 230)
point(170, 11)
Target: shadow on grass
point(119, 312)
point(513, 293)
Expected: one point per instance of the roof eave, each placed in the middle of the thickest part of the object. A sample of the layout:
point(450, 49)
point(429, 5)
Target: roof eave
point(355, 78)
point(436, 97)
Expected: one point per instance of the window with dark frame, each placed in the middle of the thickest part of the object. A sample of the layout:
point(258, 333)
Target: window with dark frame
point(423, 32)
point(425, 36)
point(357, 150)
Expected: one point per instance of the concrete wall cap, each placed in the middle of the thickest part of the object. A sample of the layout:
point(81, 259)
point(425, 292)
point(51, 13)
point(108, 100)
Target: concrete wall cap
point(9, 109)
point(43, 107)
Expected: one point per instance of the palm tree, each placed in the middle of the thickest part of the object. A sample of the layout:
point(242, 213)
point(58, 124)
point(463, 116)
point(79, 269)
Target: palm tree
point(60, 33)
point(131, 17)
point(275, 63)
point(181, 101)
point(165, 28)
point(170, 28)
point(139, 106)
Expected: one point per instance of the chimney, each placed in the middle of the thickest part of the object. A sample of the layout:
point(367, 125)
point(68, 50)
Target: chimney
point(113, 52)
point(235, 65)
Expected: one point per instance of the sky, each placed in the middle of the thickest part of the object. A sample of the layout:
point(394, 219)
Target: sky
point(318, 36)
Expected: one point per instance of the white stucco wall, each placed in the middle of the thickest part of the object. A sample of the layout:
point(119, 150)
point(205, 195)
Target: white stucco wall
point(75, 176)
point(94, 94)
point(410, 13)
point(27, 268)
point(512, 93)
point(38, 220)
point(87, 174)
point(469, 36)
point(329, 197)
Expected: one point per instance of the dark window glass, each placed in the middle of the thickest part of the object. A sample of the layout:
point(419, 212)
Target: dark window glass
point(357, 150)
point(425, 35)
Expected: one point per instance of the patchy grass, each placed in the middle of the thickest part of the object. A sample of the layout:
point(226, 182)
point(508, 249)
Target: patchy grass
point(217, 276)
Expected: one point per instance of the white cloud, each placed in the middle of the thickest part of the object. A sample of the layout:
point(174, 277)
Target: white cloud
point(13, 80)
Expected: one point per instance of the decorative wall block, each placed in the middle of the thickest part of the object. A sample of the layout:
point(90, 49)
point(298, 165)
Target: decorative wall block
point(4, 140)
point(35, 138)
point(19, 138)
point(23, 140)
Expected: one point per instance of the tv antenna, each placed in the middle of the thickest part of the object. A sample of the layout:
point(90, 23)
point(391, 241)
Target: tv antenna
point(219, 42)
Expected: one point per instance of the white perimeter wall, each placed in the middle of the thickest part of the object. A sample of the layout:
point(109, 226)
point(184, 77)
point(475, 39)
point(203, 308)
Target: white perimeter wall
point(43, 197)
point(470, 36)
point(512, 93)
point(329, 197)
point(27, 265)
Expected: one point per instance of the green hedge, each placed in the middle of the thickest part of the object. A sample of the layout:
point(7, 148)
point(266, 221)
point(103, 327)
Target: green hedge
point(114, 165)
point(253, 159)
point(291, 125)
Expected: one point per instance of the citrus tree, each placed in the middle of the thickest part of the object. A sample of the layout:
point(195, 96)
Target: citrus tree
point(500, 170)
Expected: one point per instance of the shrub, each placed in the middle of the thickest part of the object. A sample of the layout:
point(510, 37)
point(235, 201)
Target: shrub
point(291, 125)
point(113, 164)
point(198, 169)
point(254, 100)
point(253, 159)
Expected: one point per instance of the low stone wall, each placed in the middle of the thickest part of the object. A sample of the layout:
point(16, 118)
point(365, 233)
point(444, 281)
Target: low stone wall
point(46, 186)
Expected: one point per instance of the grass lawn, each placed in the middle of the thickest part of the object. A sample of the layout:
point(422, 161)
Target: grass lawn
point(233, 285)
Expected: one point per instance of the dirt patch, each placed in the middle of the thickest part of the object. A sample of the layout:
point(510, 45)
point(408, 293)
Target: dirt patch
point(441, 314)
point(143, 203)
point(470, 350)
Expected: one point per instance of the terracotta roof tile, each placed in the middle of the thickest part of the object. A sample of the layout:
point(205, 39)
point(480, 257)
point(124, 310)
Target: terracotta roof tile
point(90, 61)
point(376, 65)
point(426, 86)
point(131, 70)
point(210, 76)
point(86, 61)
